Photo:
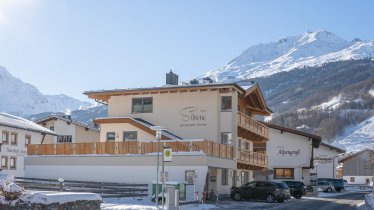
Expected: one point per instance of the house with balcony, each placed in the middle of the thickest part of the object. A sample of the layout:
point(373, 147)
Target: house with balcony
point(211, 129)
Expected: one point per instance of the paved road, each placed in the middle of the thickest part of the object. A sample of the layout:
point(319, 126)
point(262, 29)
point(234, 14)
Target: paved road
point(346, 201)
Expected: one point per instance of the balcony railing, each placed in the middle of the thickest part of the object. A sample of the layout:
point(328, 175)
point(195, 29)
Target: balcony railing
point(134, 147)
point(252, 125)
point(252, 158)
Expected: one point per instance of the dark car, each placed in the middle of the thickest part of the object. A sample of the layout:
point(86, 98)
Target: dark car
point(262, 190)
point(297, 189)
point(338, 183)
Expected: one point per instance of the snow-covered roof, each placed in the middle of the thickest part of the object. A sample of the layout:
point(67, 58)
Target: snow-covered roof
point(21, 123)
point(66, 119)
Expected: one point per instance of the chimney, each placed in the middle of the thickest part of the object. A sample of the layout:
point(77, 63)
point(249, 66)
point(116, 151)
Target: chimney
point(194, 82)
point(207, 80)
point(171, 78)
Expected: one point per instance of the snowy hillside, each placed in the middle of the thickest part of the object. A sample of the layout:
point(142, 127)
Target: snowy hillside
point(362, 137)
point(308, 49)
point(23, 99)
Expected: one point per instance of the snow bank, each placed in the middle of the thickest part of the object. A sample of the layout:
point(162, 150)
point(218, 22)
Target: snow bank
point(369, 203)
point(48, 197)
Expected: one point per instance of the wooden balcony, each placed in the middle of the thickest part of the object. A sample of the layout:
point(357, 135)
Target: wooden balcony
point(132, 147)
point(252, 129)
point(252, 160)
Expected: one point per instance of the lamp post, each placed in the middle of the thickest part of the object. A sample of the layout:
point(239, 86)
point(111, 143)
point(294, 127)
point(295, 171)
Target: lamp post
point(158, 130)
point(316, 165)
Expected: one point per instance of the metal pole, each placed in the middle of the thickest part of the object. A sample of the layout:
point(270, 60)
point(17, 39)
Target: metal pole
point(163, 176)
point(158, 163)
point(333, 167)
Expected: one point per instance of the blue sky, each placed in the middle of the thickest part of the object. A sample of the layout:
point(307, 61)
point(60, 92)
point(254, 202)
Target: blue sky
point(72, 46)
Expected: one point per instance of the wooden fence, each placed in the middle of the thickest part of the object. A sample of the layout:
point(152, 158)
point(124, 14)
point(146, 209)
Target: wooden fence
point(131, 147)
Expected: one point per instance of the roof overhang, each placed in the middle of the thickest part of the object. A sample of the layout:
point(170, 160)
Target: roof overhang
point(256, 101)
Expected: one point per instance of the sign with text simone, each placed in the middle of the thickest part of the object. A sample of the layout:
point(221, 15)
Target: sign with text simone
point(193, 116)
point(286, 152)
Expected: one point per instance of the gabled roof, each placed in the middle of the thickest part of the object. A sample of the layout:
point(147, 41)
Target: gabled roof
point(315, 139)
point(21, 123)
point(66, 119)
point(333, 147)
point(247, 88)
point(139, 123)
point(355, 154)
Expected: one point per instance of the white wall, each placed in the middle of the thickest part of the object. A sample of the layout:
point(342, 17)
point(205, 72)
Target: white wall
point(326, 167)
point(359, 179)
point(119, 128)
point(63, 128)
point(297, 153)
point(19, 151)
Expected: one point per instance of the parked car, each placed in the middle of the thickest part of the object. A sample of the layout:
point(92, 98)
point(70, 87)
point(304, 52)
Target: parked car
point(338, 183)
point(325, 186)
point(297, 189)
point(262, 190)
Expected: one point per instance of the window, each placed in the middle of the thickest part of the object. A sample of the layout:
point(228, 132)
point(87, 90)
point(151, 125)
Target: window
point(4, 162)
point(130, 135)
point(226, 103)
point(52, 128)
point(246, 145)
point(244, 177)
point(64, 138)
point(226, 138)
point(142, 105)
point(110, 136)
point(283, 173)
point(189, 176)
point(13, 161)
point(352, 179)
point(27, 139)
point(13, 138)
point(224, 178)
point(5, 137)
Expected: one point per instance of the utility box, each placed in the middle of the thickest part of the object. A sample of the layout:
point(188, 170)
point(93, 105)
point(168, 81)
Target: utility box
point(170, 197)
point(179, 185)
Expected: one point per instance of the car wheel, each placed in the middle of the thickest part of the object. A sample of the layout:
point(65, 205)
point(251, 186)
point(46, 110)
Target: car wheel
point(280, 200)
point(237, 196)
point(298, 195)
point(329, 190)
point(338, 189)
point(270, 198)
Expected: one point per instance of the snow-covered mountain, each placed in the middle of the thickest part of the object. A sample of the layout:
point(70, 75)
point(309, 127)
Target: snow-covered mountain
point(361, 137)
point(23, 99)
point(308, 49)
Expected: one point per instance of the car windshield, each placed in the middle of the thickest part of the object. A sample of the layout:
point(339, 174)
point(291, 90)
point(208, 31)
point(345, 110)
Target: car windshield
point(281, 185)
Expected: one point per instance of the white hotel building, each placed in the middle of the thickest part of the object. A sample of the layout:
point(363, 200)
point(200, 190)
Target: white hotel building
point(210, 127)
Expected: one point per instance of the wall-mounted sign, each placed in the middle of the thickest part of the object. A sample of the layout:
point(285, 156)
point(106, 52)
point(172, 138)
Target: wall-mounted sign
point(285, 152)
point(167, 154)
point(193, 116)
point(15, 151)
point(323, 160)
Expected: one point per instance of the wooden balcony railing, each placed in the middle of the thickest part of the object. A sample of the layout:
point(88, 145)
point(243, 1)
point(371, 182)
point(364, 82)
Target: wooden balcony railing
point(252, 125)
point(134, 147)
point(252, 158)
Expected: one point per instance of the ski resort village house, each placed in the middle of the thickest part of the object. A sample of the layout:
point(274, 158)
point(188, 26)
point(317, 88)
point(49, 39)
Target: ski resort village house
point(291, 153)
point(326, 159)
point(358, 168)
point(16, 134)
point(210, 128)
point(68, 130)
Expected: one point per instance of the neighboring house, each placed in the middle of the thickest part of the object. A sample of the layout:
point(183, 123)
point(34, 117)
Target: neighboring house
point(210, 127)
point(16, 134)
point(291, 153)
point(358, 168)
point(68, 130)
point(326, 161)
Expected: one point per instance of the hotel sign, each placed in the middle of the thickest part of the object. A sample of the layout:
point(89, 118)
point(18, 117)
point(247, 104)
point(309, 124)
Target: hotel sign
point(285, 152)
point(193, 116)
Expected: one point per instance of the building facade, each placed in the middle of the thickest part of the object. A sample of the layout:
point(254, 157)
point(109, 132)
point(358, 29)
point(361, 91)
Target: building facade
point(358, 168)
point(210, 128)
point(326, 161)
point(16, 134)
point(290, 153)
point(68, 130)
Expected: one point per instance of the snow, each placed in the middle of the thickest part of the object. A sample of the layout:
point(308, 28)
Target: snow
point(371, 92)
point(18, 122)
point(23, 99)
point(334, 103)
point(308, 49)
point(361, 138)
point(49, 197)
point(369, 203)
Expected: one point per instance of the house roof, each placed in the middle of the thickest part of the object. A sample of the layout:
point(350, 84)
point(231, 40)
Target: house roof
point(137, 122)
point(333, 147)
point(21, 123)
point(66, 119)
point(316, 139)
point(247, 88)
point(350, 155)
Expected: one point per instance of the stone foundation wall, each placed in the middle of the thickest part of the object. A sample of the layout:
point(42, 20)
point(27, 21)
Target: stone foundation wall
point(76, 205)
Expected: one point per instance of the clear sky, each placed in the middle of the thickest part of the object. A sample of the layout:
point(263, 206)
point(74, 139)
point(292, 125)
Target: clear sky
point(77, 45)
